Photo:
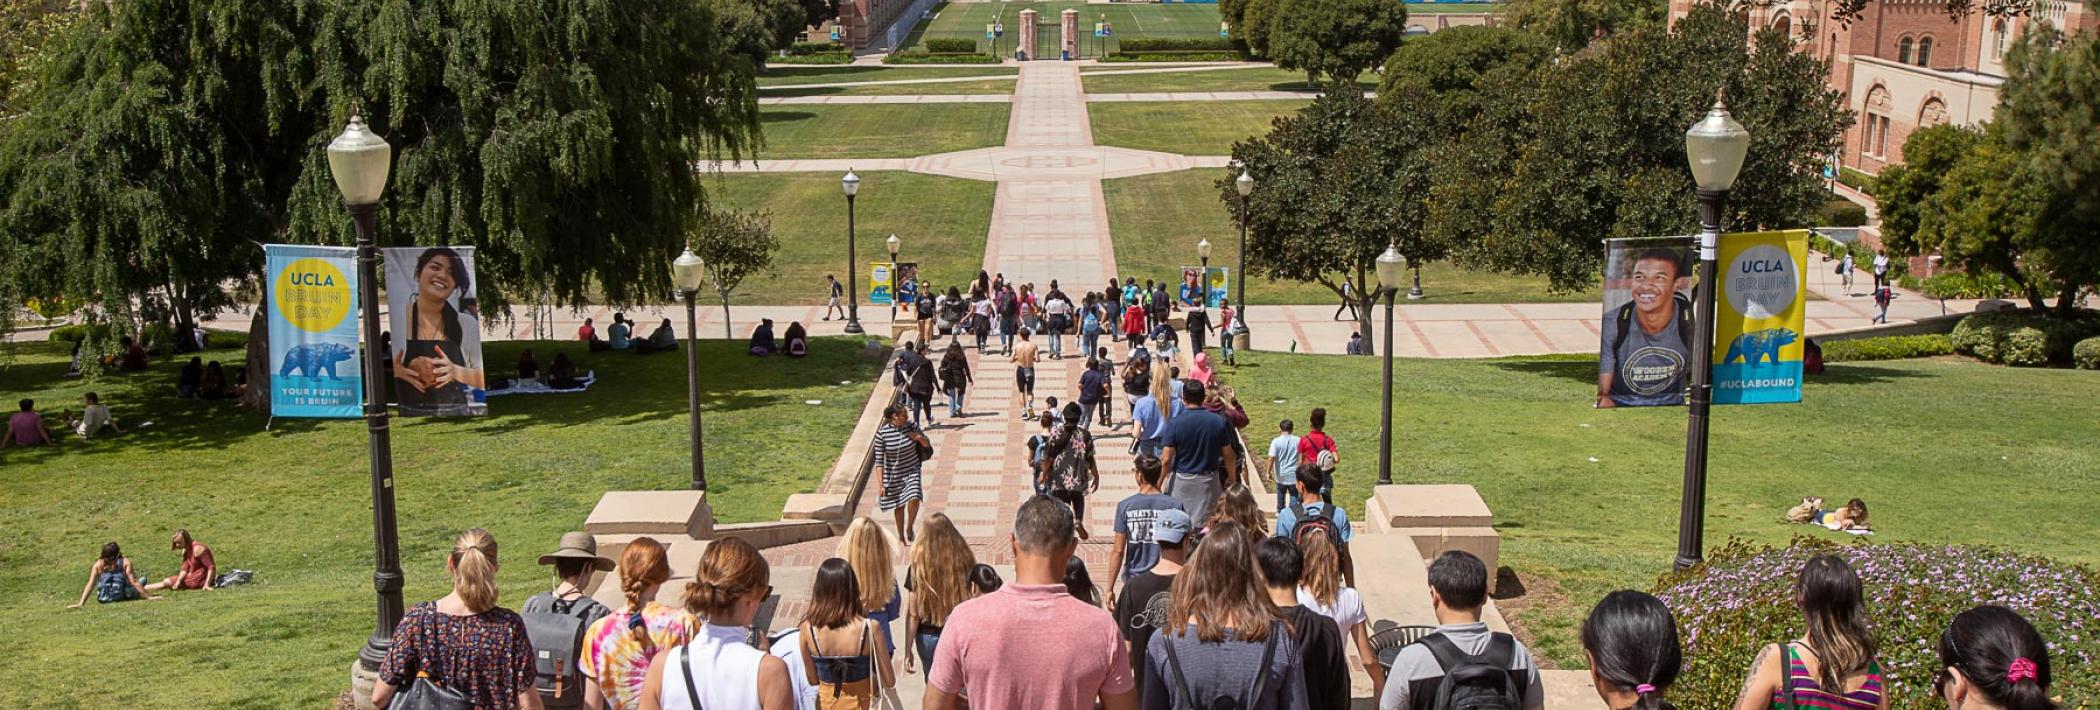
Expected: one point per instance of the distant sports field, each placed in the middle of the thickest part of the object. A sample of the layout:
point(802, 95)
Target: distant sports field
point(967, 20)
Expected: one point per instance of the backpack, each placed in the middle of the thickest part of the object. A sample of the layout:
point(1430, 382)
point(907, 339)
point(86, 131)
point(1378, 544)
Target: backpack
point(1068, 472)
point(1684, 322)
point(1812, 357)
point(1244, 702)
point(557, 641)
point(1475, 682)
point(1306, 522)
point(1091, 325)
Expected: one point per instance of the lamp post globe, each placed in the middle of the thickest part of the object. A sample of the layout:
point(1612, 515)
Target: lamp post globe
point(850, 184)
point(688, 271)
point(1203, 278)
point(359, 161)
point(1244, 184)
point(896, 275)
point(1389, 266)
point(1715, 148)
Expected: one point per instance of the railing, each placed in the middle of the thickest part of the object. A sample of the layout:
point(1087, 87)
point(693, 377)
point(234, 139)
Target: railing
point(900, 27)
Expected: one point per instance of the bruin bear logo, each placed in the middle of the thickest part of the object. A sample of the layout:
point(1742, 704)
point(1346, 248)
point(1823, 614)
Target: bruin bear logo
point(1759, 345)
point(314, 358)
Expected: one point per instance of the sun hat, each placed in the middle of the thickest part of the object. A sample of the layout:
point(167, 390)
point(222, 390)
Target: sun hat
point(578, 546)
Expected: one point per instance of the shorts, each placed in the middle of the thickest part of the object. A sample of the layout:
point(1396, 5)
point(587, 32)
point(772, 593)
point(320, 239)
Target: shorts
point(1024, 378)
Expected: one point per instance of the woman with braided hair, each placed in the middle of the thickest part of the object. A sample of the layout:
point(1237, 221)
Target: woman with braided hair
point(719, 669)
point(618, 648)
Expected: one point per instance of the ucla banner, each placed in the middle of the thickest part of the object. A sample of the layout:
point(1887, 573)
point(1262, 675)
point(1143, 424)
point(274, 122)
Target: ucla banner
point(1645, 347)
point(881, 283)
point(1761, 307)
point(436, 325)
point(1209, 285)
point(313, 332)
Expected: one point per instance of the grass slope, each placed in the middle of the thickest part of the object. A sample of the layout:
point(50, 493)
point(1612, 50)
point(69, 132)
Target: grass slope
point(1248, 79)
point(880, 130)
point(942, 222)
point(292, 503)
point(1943, 450)
point(1185, 127)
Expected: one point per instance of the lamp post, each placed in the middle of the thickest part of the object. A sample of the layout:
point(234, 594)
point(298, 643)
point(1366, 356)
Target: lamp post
point(851, 184)
point(1389, 266)
point(1715, 147)
point(1244, 184)
point(1203, 277)
point(1414, 293)
point(896, 276)
point(689, 271)
point(359, 161)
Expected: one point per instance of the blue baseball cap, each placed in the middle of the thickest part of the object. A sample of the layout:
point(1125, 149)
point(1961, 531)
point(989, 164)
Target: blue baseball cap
point(1171, 525)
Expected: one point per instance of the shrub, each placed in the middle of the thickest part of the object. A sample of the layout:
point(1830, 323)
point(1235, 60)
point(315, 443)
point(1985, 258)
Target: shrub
point(1141, 45)
point(1841, 213)
point(1172, 57)
point(916, 57)
point(1743, 598)
point(1856, 180)
point(1896, 347)
point(1954, 284)
point(2086, 354)
point(951, 45)
point(804, 59)
point(803, 49)
point(2022, 337)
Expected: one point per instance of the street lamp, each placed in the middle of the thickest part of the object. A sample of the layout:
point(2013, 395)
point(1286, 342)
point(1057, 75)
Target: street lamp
point(1203, 278)
point(1245, 185)
point(896, 276)
point(1414, 293)
point(1715, 147)
point(359, 161)
point(851, 184)
point(689, 271)
point(1389, 266)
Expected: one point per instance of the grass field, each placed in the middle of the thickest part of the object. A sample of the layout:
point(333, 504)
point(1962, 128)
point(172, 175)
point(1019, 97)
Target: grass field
point(967, 20)
point(1186, 127)
point(1248, 79)
point(787, 74)
point(880, 130)
point(292, 503)
point(1943, 451)
point(1158, 218)
point(965, 86)
point(942, 222)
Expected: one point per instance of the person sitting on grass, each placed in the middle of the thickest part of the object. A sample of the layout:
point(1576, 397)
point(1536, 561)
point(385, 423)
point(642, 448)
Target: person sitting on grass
point(663, 339)
point(110, 579)
point(26, 427)
point(214, 386)
point(762, 338)
point(198, 571)
point(562, 374)
point(94, 416)
point(190, 379)
point(797, 339)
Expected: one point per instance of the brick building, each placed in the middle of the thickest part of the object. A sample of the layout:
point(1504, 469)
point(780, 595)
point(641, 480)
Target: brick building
point(863, 23)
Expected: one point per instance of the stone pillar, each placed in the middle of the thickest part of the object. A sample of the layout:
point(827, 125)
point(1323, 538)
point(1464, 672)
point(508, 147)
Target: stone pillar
point(1026, 44)
point(1069, 31)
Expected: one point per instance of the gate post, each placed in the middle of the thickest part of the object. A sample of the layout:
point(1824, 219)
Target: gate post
point(1070, 33)
point(1025, 48)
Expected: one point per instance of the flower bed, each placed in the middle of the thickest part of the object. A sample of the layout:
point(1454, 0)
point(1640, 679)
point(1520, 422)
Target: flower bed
point(1743, 598)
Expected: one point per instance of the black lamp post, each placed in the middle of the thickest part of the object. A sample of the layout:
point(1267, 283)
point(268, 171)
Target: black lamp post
point(851, 184)
point(359, 162)
point(1389, 266)
point(1244, 184)
point(1203, 279)
point(689, 271)
point(1715, 146)
point(896, 276)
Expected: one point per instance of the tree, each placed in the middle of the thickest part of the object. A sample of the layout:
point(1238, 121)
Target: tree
point(1340, 180)
point(1457, 68)
point(734, 246)
point(2049, 107)
point(1570, 25)
point(26, 27)
point(1336, 38)
point(754, 28)
point(1254, 22)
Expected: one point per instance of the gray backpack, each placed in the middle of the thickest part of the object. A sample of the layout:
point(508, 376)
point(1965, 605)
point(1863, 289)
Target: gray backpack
point(557, 643)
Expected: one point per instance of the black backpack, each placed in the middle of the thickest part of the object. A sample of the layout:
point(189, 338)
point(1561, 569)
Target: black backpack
point(1684, 322)
point(1476, 682)
point(1308, 522)
point(1244, 702)
point(557, 643)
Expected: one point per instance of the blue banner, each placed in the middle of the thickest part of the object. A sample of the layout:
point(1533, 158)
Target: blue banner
point(313, 332)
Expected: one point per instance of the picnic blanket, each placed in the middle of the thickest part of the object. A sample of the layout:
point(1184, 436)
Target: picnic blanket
point(540, 386)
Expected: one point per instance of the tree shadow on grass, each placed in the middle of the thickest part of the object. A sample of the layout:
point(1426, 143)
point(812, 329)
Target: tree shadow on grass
point(1578, 370)
point(776, 116)
point(784, 91)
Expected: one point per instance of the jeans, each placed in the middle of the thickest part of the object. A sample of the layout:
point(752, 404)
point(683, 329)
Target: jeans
point(927, 642)
point(918, 405)
point(955, 401)
point(1284, 490)
point(1086, 414)
point(1104, 406)
point(1006, 340)
point(1225, 346)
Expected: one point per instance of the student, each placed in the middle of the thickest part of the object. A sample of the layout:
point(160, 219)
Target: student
point(955, 377)
point(918, 388)
point(1356, 344)
point(1164, 340)
point(1991, 658)
point(1851, 517)
point(1314, 442)
point(1348, 302)
point(94, 416)
point(213, 386)
point(463, 642)
point(1148, 594)
point(1148, 423)
point(1312, 511)
point(1023, 359)
point(1238, 506)
point(832, 293)
point(190, 378)
point(1093, 392)
point(197, 570)
point(1323, 590)
point(1845, 269)
point(1079, 583)
point(1067, 468)
point(1881, 270)
point(1320, 654)
point(111, 580)
point(762, 343)
point(619, 647)
point(898, 466)
point(1283, 465)
point(663, 339)
point(838, 642)
point(1836, 664)
point(1883, 296)
point(26, 427)
point(1228, 322)
point(1136, 547)
point(1107, 367)
point(1056, 319)
point(1031, 644)
point(562, 374)
point(795, 340)
point(980, 318)
point(938, 579)
point(874, 567)
point(1221, 628)
point(718, 669)
point(1458, 584)
point(1630, 639)
point(575, 559)
point(1197, 321)
point(588, 333)
point(1133, 326)
point(985, 580)
point(618, 336)
point(1199, 448)
point(1091, 323)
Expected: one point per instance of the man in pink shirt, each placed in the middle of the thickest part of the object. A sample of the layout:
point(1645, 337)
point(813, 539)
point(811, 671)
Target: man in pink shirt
point(1031, 645)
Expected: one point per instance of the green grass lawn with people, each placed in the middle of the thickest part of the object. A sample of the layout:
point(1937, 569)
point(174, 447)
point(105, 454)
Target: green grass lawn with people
point(290, 499)
point(1943, 450)
point(1111, 81)
point(966, 20)
point(942, 222)
point(879, 130)
point(1185, 127)
point(956, 87)
point(788, 74)
point(1157, 220)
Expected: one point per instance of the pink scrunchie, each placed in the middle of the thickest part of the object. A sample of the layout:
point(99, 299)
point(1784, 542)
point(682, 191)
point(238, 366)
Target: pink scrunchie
point(2021, 669)
point(1643, 689)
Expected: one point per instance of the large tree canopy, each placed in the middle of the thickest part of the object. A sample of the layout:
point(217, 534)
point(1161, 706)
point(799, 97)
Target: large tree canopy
point(1338, 39)
point(1570, 25)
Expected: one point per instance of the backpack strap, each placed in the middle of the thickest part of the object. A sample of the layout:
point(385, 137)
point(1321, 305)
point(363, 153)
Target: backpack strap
point(1447, 654)
point(1261, 672)
point(1685, 324)
point(1188, 697)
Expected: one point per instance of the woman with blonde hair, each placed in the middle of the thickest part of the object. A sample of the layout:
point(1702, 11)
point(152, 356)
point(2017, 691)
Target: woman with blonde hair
point(868, 549)
point(939, 579)
point(1163, 391)
point(1835, 664)
point(618, 648)
point(1323, 590)
point(718, 669)
point(463, 644)
point(838, 643)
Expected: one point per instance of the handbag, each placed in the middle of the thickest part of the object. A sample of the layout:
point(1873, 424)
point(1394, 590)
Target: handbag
point(925, 449)
point(885, 695)
point(426, 695)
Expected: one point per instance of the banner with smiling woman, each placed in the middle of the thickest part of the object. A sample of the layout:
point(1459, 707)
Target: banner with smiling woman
point(1645, 347)
point(313, 332)
point(436, 325)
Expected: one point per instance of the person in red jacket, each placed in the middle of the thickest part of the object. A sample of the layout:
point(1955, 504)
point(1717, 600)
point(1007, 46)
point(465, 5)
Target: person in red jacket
point(1134, 325)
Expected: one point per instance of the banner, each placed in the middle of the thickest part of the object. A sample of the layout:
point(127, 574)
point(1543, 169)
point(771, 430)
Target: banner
point(1759, 313)
point(1645, 344)
point(907, 275)
point(436, 325)
point(313, 332)
point(1213, 288)
point(880, 283)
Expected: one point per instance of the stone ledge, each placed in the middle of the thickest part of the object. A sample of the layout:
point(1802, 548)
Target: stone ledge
point(656, 513)
point(827, 507)
point(1427, 506)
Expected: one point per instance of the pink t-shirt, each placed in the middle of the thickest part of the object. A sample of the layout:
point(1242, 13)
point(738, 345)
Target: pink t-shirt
point(1031, 646)
point(27, 428)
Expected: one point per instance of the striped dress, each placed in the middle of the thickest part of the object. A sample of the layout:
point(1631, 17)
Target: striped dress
point(1810, 695)
point(898, 456)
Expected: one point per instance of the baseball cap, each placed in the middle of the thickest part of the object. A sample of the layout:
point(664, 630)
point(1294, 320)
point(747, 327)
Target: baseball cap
point(1171, 525)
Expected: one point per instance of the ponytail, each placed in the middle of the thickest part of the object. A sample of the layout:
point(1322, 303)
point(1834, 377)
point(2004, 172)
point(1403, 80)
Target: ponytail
point(730, 570)
point(2001, 656)
point(1631, 638)
point(474, 570)
point(643, 564)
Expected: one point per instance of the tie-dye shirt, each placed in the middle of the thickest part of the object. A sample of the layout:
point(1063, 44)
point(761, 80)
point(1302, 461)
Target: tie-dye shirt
point(618, 659)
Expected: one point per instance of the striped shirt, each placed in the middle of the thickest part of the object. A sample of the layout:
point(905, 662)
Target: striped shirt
point(898, 457)
point(1810, 695)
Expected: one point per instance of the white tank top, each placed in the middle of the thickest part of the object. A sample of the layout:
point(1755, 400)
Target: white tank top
point(724, 670)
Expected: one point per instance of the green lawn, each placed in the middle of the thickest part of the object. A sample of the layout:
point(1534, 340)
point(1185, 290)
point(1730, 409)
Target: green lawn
point(1450, 8)
point(1943, 450)
point(942, 222)
point(292, 502)
point(1248, 79)
point(962, 86)
point(786, 74)
point(967, 20)
point(880, 130)
point(1158, 218)
point(1186, 127)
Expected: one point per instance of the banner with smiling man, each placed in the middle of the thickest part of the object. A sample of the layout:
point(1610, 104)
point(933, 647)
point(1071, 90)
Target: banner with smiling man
point(314, 365)
point(1760, 312)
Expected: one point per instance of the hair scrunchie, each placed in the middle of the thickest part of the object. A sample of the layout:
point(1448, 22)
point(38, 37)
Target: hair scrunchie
point(2020, 669)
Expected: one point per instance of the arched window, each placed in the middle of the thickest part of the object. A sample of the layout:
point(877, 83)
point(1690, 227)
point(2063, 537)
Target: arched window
point(1875, 126)
point(1998, 37)
point(1932, 113)
point(1903, 51)
point(1925, 52)
point(1784, 24)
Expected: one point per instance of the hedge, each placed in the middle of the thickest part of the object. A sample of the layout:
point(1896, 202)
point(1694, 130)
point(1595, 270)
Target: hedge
point(951, 45)
point(1954, 284)
point(1172, 57)
point(1856, 180)
point(2022, 337)
point(1895, 347)
point(1841, 213)
point(1141, 45)
point(2086, 354)
point(916, 57)
point(824, 58)
point(1743, 598)
point(800, 49)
